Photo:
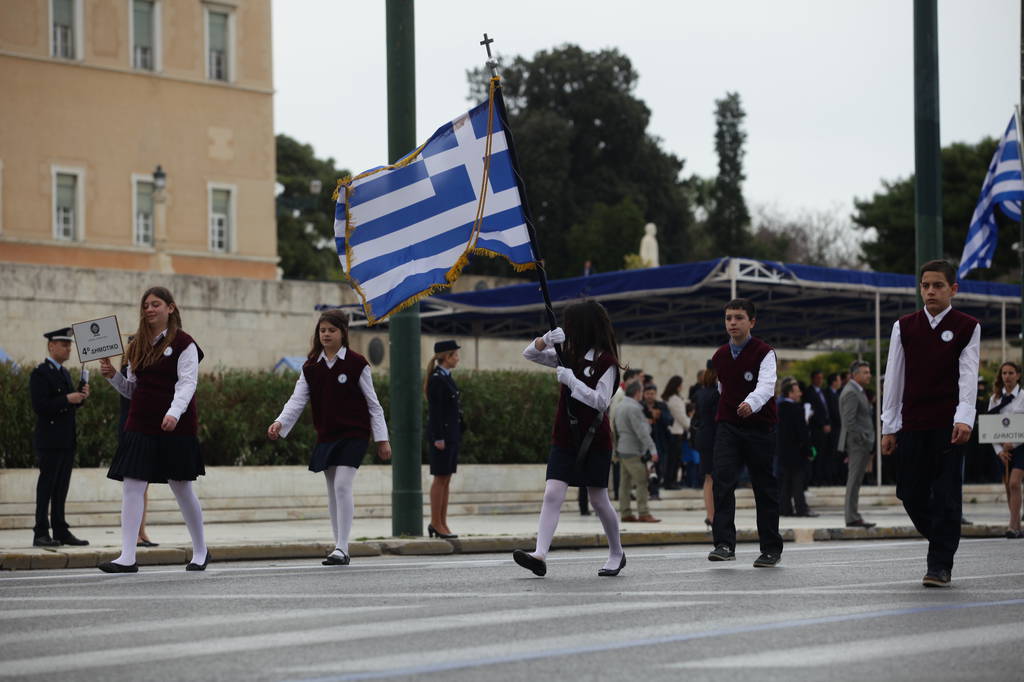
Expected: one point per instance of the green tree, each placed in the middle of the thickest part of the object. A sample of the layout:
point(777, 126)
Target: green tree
point(606, 235)
point(891, 212)
point(305, 212)
point(728, 221)
point(582, 139)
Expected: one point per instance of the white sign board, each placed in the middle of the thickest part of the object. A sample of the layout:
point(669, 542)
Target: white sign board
point(96, 339)
point(1001, 428)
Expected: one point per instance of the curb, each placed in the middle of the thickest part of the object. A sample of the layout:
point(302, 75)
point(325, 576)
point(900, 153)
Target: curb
point(30, 559)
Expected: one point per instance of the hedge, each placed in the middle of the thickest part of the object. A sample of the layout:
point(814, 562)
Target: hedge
point(508, 416)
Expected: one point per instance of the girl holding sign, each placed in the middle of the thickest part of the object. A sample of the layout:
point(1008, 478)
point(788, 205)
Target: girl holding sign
point(160, 443)
point(337, 381)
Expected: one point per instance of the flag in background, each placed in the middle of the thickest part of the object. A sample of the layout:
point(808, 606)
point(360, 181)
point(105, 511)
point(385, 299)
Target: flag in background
point(406, 230)
point(1003, 187)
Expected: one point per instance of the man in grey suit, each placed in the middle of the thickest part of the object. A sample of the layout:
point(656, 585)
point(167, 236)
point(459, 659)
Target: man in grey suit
point(634, 444)
point(857, 437)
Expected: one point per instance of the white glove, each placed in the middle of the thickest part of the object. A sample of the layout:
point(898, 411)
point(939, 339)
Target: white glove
point(554, 336)
point(565, 376)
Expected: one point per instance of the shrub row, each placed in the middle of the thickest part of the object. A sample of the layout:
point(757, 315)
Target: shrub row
point(508, 416)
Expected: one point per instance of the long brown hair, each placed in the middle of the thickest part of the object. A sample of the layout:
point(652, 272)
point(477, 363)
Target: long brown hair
point(999, 388)
point(334, 318)
point(587, 326)
point(672, 387)
point(432, 364)
point(710, 378)
point(141, 351)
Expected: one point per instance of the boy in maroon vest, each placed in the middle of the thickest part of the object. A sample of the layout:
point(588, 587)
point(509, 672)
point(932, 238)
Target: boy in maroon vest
point(745, 435)
point(927, 412)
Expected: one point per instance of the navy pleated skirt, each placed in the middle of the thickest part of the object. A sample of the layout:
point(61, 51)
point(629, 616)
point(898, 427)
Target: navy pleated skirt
point(592, 474)
point(347, 452)
point(157, 458)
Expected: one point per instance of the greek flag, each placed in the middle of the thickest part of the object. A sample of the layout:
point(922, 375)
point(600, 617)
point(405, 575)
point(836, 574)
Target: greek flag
point(1004, 188)
point(406, 230)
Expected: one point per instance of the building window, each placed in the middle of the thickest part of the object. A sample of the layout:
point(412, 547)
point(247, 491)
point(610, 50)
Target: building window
point(220, 220)
point(143, 231)
point(218, 43)
point(63, 12)
point(144, 35)
point(65, 218)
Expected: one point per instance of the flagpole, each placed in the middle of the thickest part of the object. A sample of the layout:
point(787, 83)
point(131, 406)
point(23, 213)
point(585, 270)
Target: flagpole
point(499, 101)
point(1020, 236)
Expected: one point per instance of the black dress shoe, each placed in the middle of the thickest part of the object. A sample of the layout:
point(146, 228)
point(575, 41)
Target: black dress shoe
point(767, 560)
point(111, 567)
point(44, 541)
point(147, 543)
point(444, 536)
point(809, 514)
point(861, 523)
point(611, 572)
point(937, 578)
point(192, 566)
point(69, 539)
point(334, 560)
point(530, 562)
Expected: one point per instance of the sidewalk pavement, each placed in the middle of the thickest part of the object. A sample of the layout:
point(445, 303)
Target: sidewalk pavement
point(477, 534)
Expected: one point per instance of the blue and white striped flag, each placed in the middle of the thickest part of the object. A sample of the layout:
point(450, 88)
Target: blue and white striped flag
point(405, 231)
point(1003, 187)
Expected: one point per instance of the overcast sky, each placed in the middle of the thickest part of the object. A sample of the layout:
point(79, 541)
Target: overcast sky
point(827, 86)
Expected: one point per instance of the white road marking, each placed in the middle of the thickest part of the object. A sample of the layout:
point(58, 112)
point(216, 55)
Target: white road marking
point(100, 658)
point(861, 650)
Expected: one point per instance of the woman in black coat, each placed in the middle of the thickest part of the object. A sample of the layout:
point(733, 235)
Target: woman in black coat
point(705, 400)
point(794, 449)
point(444, 429)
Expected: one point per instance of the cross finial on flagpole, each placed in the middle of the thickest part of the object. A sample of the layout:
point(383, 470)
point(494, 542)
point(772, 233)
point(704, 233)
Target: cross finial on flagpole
point(491, 63)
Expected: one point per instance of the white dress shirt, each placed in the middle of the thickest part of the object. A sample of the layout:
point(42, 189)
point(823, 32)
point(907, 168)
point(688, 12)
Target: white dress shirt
point(765, 388)
point(184, 387)
point(300, 396)
point(895, 378)
point(598, 398)
point(1016, 406)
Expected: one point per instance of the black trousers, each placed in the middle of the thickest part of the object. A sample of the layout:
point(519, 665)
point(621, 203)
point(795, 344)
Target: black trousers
point(52, 490)
point(671, 461)
point(736, 446)
point(928, 481)
point(794, 479)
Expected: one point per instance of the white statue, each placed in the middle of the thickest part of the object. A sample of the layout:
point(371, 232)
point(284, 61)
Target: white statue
point(649, 246)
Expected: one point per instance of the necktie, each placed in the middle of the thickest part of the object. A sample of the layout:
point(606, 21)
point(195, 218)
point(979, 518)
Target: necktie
point(1007, 399)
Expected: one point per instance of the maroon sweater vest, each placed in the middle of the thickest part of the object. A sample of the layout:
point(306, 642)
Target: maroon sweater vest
point(738, 378)
point(590, 372)
point(339, 406)
point(932, 368)
point(154, 391)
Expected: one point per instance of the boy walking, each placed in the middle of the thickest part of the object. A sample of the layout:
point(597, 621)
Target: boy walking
point(746, 419)
point(927, 412)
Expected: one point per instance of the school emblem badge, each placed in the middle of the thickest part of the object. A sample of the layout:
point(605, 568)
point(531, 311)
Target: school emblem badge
point(947, 336)
point(588, 371)
point(1006, 422)
point(749, 376)
point(168, 351)
point(342, 378)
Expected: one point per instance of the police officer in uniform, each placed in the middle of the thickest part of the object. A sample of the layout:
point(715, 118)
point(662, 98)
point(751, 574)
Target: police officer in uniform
point(54, 400)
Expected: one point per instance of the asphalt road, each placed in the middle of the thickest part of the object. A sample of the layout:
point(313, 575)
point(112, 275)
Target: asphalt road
point(839, 611)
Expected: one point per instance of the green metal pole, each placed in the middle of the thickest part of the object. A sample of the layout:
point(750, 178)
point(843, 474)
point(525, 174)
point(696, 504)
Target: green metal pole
point(404, 331)
point(927, 146)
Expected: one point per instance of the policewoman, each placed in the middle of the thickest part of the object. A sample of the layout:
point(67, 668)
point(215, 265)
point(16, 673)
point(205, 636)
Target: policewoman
point(444, 429)
point(55, 401)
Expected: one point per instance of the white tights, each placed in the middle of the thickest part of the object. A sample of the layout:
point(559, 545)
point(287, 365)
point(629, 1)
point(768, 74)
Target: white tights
point(133, 505)
point(340, 504)
point(554, 496)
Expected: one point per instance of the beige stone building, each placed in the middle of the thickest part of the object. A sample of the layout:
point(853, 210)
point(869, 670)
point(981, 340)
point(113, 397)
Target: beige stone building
point(97, 95)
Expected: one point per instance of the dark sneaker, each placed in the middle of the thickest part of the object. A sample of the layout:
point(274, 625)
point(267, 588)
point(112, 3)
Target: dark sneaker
point(937, 578)
point(767, 560)
point(722, 553)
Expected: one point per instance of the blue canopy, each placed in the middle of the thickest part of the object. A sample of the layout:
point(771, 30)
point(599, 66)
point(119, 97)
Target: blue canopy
point(798, 305)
